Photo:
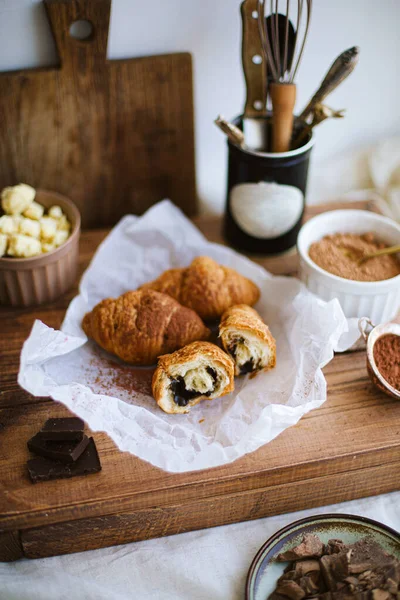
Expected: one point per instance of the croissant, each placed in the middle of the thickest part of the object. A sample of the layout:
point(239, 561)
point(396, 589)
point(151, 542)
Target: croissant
point(199, 371)
point(247, 339)
point(206, 287)
point(140, 326)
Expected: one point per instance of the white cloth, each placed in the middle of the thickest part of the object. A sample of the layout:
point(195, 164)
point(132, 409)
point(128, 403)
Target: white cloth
point(210, 564)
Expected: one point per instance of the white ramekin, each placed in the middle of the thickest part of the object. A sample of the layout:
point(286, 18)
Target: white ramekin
point(378, 300)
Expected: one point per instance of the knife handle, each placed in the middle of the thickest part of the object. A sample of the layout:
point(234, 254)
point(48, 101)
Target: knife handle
point(253, 60)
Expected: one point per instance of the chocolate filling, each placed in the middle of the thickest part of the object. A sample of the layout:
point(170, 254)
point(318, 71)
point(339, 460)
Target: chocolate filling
point(182, 396)
point(247, 367)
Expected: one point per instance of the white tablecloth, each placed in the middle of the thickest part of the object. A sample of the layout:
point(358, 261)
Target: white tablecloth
point(210, 564)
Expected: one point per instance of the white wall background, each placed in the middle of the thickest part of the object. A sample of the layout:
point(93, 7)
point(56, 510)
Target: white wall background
point(211, 30)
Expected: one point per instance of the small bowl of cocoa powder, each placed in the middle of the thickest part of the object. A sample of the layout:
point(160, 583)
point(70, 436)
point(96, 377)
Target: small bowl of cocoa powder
point(383, 355)
point(331, 246)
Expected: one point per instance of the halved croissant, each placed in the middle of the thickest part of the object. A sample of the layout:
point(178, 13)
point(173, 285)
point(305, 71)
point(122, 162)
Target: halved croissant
point(206, 287)
point(247, 339)
point(199, 371)
point(140, 326)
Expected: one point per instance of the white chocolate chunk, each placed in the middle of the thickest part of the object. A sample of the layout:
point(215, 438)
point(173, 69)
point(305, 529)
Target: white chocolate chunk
point(30, 227)
point(34, 211)
point(48, 247)
point(8, 224)
point(63, 223)
point(199, 380)
point(3, 244)
point(61, 237)
point(48, 228)
point(55, 212)
point(16, 199)
point(23, 246)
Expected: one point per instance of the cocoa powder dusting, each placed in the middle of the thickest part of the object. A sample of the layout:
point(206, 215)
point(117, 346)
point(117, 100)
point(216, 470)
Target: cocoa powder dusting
point(387, 358)
point(113, 376)
point(339, 254)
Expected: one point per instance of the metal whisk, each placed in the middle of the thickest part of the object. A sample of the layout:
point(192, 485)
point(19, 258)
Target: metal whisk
point(283, 64)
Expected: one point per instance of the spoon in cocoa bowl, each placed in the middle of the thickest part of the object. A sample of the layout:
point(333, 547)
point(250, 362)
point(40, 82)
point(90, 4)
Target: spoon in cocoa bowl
point(383, 354)
point(382, 252)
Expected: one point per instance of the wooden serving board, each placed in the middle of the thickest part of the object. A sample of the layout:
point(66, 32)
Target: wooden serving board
point(348, 448)
point(115, 136)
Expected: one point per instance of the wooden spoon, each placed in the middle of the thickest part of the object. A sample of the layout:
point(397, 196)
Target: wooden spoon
point(388, 250)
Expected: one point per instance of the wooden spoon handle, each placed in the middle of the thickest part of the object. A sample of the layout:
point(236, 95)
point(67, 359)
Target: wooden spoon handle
point(283, 97)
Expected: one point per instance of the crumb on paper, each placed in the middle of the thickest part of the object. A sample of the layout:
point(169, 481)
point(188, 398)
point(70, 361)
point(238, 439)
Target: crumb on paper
point(201, 420)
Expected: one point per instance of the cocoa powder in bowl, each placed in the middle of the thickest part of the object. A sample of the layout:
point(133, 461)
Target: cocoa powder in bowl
point(340, 254)
point(387, 358)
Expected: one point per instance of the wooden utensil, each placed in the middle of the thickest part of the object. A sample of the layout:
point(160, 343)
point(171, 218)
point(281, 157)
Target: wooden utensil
point(339, 70)
point(389, 250)
point(233, 133)
point(283, 89)
point(115, 136)
point(320, 113)
point(255, 74)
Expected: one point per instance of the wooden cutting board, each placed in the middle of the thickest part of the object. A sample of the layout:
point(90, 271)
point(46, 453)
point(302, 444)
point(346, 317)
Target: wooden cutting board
point(346, 449)
point(115, 136)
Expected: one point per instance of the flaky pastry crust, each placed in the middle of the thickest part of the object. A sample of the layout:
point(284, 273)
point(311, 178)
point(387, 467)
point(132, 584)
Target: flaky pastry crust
point(194, 361)
point(243, 329)
point(139, 326)
point(206, 287)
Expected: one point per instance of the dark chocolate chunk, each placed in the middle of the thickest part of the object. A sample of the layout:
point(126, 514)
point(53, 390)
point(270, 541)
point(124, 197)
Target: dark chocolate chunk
point(334, 547)
point(290, 589)
point(334, 568)
point(182, 395)
point(69, 428)
point(68, 451)
point(247, 367)
point(43, 469)
point(367, 554)
point(310, 547)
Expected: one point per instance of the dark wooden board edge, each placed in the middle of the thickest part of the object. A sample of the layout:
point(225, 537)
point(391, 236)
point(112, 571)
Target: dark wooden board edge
point(100, 532)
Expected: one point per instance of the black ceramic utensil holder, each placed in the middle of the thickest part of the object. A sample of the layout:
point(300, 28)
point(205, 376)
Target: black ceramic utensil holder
point(265, 197)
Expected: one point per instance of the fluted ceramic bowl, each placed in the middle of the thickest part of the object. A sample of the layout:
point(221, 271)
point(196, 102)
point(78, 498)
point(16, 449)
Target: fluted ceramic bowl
point(378, 300)
point(43, 278)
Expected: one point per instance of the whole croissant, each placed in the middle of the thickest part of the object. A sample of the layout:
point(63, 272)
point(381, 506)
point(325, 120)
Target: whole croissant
point(206, 287)
point(140, 326)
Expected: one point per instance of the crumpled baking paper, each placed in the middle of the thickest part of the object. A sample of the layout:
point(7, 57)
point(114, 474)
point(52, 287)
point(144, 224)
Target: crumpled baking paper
point(116, 398)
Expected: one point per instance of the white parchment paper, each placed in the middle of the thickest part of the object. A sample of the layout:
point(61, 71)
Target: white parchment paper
point(116, 398)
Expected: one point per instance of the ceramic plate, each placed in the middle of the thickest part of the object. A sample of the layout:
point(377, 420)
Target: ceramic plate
point(265, 571)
